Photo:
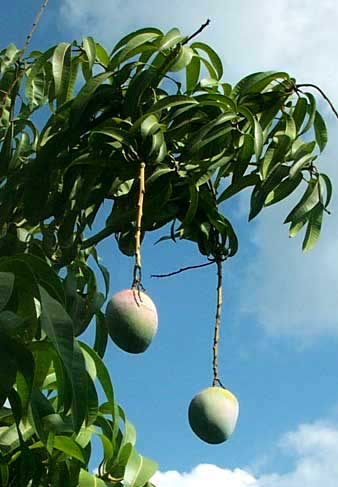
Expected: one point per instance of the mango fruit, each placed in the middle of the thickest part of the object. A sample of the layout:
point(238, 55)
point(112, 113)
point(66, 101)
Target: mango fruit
point(132, 320)
point(213, 414)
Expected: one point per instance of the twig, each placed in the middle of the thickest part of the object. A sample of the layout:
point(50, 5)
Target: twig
point(138, 265)
point(34, 26)
point(198, 31)
point(310, 85)
point(25, 46)
point(216, 379)
point(183, 269)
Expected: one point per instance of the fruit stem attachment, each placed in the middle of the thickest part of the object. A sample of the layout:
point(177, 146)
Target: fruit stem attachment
point(216, 380)
point(137, 276)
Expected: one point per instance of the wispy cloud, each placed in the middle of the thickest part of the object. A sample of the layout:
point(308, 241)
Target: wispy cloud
point(314, 448)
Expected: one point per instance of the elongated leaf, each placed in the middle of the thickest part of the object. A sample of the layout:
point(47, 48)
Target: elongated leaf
point(262, 190)
point(90, 48)
point(283, 190)
point(320, 131)
point(172, 101)
point(325, 180)
point(299, 112)
point(295, 228)
point(313, 228)
point(83, 97)
point(257, 82)
point(69, 447)
point(170, 39)
point(193, 205)
point(87, 479)
point(6, 288)
point(299, 165)
point(102, 373)
point(244, 182)
point(257, 130)
point(138, 470)
point(192, 74)
point(213, 56)
point(61, 64)
point(309, 200)
point(311, 111)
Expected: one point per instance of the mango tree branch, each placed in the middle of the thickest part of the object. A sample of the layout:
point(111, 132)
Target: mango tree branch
point(310, 85)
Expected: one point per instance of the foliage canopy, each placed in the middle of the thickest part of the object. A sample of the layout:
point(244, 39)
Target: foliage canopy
point(157, 99)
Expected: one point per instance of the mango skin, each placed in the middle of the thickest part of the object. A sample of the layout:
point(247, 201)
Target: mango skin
point(213, 414)
point(132, 320)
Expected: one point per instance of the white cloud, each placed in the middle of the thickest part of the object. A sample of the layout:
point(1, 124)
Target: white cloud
point(313, 446)
point(204, 475)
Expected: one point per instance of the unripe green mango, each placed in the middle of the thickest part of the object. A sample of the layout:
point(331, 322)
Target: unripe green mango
point(131, 319)
point(213, 414)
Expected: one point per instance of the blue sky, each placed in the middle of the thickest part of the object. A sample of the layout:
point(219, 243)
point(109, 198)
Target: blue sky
point(278, 348)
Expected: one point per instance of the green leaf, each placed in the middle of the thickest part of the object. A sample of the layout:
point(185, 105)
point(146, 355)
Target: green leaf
point(257, 82)
point(296, 227)
point(193, 205)
point(236, 187)
point(308, 201)
point(299, 165)
point(311, 111)
point(283, 190)
point(147, 30)
point(257, 130)
point(131, 48)
point(299, 112)
point(158, 173)
point(6, 288)
point(101, 55)
point(320, 131)
point(82, 99)
point(262, 190)
point(213, 56)
point(170, 39)
point(86, 479)
point(102, 373)
point(138, 470)
point(172, 101)
point(69, 447)
point(61, 64)
point(313, 228)
point(192, 74)
point(324, 179)
point(90, 48)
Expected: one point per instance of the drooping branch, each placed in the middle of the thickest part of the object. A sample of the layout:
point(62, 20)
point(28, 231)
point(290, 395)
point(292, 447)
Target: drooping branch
point(137, 277)
point(326, 98)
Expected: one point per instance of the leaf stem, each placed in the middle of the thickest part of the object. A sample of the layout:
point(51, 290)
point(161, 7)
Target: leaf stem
point(138, 264)
point(183, 269)
point(216, 379)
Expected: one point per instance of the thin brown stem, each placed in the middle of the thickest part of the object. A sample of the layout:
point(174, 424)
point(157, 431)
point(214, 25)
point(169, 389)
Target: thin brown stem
point(310, 85)
point(138, 264)
point(34, 26)
point(216, 379)
point(25, 46)
point(183, 269)
point(197, 32)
